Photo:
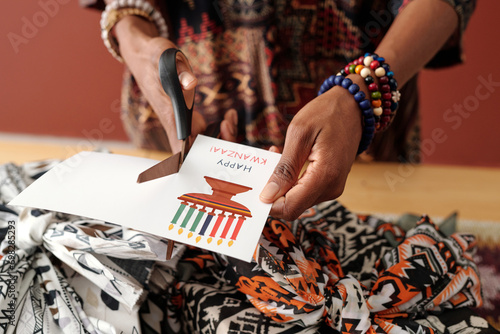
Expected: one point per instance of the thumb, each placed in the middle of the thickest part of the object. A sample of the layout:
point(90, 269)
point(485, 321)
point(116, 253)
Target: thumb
point(288, 170)
point(185, 71)
point(188, 80)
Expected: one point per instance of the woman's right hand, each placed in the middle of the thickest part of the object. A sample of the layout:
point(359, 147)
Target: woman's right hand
point(141, 53)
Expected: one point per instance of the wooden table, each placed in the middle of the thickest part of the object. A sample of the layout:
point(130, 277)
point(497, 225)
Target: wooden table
point(436, 190)
point(371, 187)
point(26, 150)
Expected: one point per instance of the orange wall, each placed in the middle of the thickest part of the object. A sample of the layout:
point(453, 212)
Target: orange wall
point(58, 79)
point(457, 101)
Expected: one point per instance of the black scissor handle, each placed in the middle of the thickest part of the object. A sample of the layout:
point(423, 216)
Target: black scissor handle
point(172, 86)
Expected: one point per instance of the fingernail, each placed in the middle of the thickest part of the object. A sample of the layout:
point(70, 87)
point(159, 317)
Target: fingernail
point(269, 192)
point(186, 79)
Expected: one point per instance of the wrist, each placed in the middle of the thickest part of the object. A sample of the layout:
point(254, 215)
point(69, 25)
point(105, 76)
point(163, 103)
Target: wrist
point(138, 21)
point(365, 116)
point(133, 34)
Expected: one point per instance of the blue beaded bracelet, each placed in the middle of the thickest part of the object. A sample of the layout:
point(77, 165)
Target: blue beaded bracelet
point(363, 103)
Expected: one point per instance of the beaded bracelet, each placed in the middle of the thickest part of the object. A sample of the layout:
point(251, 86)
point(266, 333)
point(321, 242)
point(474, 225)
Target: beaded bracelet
point(363, 103)
point(388, 87)
point(356, 67)
point(118, 9)
point(384, 99)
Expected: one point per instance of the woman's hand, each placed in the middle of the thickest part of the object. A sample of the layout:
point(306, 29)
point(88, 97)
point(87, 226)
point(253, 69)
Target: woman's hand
point(141, 53)
point(325, 133)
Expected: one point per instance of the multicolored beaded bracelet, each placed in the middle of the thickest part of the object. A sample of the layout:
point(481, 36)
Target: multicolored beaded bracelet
point(388, 88)
point(385, 98)
point(363, 103)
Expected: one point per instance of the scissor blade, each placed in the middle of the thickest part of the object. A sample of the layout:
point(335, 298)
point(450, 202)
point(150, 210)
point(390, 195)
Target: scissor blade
point(163, 168)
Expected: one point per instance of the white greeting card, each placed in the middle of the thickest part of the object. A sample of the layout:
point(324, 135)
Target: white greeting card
point(212, 202)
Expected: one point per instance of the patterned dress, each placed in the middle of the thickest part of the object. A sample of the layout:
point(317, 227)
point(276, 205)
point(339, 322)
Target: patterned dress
point(330, 271)
point(266, 59)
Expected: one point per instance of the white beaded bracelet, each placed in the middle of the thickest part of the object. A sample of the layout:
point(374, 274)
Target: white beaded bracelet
point(118, 9)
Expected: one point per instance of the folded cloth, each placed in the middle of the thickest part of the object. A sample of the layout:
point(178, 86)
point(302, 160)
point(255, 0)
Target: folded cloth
point(328, 271)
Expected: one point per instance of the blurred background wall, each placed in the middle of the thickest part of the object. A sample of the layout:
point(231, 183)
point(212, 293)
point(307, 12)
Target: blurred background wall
point(56, 76)
point(57, 79)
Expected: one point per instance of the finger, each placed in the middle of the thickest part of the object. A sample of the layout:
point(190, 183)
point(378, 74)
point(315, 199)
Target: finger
point(198, 124)
point(298, 144)
point(187, 78)
point(185, 72)
point(227, 131)
point(175, 143)
point(274, 149)
point(229, 126)
point(324, 179)
point(182, 63)
point(304, 194)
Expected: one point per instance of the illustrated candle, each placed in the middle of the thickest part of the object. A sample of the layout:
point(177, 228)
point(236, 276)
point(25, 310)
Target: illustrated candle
point(207, 205)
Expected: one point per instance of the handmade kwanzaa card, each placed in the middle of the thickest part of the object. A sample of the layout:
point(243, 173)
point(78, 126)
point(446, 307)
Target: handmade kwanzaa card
point(212, 202)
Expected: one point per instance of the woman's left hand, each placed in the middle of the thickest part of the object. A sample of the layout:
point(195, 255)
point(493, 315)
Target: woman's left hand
point(326, 134)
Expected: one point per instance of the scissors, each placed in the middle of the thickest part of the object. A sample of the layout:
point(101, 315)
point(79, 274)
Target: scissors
point(183, 117)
